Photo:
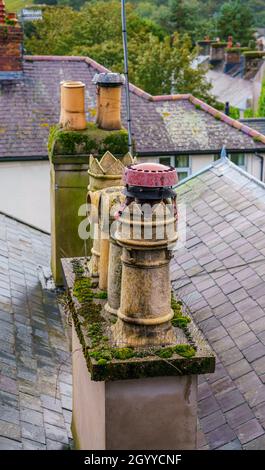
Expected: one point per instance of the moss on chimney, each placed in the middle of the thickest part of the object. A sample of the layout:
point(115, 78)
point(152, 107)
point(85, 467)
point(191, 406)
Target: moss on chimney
point(106, 362)
point(92, 140)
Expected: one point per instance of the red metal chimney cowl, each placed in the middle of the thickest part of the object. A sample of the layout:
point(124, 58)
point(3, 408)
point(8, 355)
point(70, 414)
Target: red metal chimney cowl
point(150, 175)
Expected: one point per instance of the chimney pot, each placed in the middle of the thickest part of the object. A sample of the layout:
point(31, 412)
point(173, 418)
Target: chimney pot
point(109, 100)
point(73, 115)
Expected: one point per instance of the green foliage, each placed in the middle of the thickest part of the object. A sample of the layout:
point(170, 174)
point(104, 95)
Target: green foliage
point(235, 19)
point(261, 107)
point(164, 67)
point(158, 63)
point(248, 113)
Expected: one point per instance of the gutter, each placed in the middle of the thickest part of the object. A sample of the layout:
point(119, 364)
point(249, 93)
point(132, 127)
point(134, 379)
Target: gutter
point(157, 153)
point(24, 158)
point(163, 153)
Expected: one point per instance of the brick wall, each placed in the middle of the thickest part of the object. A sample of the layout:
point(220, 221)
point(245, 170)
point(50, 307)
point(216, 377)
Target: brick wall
point(10, 48)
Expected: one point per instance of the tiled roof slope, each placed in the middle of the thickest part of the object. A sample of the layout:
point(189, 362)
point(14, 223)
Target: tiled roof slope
point(258, 124)
point(220, 275)
point(35, 372)
point(182, 123)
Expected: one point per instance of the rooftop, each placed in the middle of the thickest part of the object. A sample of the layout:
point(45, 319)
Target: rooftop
point(258, 124)
point(174, 123)
point(220, 276)
point(237, 91)
point(35, 371)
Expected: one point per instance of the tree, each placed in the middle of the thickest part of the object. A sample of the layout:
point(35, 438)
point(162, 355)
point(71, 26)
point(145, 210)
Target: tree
point(235, 19)
point(164, 67)
point(158, 63)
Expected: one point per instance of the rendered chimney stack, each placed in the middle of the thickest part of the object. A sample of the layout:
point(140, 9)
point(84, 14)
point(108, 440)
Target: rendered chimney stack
point(109, 87)
point(146, 231)
point(73, 115)
point(11, 37)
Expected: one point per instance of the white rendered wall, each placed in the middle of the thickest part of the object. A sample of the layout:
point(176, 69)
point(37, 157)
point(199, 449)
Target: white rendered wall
point(25, 192)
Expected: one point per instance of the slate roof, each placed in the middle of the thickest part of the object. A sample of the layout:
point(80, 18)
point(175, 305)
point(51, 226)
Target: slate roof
point(255, 123)
point(220, 276)
point(237, 91)
point(174, 123)
point(35, 371)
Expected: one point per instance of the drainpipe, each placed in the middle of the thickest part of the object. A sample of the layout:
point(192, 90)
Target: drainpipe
point(261, 165)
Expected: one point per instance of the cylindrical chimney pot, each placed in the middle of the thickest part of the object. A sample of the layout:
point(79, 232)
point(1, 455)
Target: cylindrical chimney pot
point(73, 115)
point(109, 100)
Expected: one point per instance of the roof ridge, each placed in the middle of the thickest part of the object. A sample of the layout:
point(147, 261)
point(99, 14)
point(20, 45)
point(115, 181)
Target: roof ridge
point(216, 163)
point(240, 126)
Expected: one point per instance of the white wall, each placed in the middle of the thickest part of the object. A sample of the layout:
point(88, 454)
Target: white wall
point(198, 162)
point(24, 192)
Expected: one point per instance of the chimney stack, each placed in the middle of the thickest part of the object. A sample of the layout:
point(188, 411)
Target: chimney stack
point(109, 100)
point(11, 37)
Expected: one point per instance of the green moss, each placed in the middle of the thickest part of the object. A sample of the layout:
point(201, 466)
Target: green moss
point(123, 353)
point(101, 354)
point(165, 353)
point(184, 350)
point(102, 362)
point(106, 362)
point(237, 49)
point(254, 54)
point(91, 140)
point(216, 45)
point(217, 117)
point(101, 295)
point(257, 138)
point(179, 320)
point(95, 333)
point(83, 290)
point(198, 106)
point(77, 268)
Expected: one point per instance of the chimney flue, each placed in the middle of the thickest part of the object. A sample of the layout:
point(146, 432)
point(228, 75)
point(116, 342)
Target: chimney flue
point(73, 115)
point(109, 100)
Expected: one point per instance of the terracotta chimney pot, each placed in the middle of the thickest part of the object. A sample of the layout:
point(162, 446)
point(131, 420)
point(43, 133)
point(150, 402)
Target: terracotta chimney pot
point(73, 105)
point(109, 100)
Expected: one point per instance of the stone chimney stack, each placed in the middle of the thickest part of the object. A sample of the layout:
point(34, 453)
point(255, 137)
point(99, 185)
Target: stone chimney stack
point(109, 100)
point(136, 357)
point(70, 145)
point(11, 37)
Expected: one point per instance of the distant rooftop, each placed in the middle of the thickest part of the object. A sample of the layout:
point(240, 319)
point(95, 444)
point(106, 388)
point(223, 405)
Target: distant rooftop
point(255, 123)
point(173, 123)
point(233, 89)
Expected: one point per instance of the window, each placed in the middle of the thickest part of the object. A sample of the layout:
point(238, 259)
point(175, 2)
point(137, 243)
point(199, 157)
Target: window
point(238, 159)
point(180, 162)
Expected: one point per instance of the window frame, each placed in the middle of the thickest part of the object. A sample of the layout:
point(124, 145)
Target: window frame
point(172, 163)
